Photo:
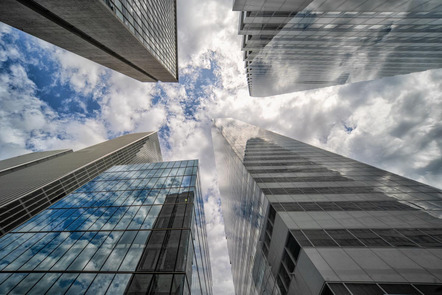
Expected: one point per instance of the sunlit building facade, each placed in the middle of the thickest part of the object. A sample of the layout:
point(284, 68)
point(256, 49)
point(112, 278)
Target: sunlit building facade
point(306, 44)
point(133, 229)
point(302, 220)
point(136, 38)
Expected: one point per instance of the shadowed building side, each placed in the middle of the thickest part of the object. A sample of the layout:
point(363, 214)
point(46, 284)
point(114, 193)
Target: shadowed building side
point(136, 39)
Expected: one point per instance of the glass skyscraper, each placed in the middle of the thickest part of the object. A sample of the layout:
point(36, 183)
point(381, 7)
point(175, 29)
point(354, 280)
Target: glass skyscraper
point(136, 38)
point(134, 229)
point(302, 220)
point(33, 182)
point(305, 44)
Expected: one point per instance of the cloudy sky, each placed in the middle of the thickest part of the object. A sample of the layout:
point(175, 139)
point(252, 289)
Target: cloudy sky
point(52, 99)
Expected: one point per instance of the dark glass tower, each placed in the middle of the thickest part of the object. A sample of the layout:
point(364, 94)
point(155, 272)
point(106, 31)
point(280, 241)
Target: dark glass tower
point(306, 44)
point(301, 220)
point(136, 38)
point(31, 183)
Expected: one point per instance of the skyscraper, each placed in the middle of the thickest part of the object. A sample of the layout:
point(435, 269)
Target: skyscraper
point(302, 220)
point(305, 44)
point(31, 183)
point(134, 229)
point(136, 38)
point(105, 220)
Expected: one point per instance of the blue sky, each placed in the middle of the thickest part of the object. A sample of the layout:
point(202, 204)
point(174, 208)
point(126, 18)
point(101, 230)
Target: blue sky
point(53, 99)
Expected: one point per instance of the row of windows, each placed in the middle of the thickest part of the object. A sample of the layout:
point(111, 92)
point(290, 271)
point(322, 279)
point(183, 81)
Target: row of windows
point(150, 166)
point(317, 190)
point(147, 173)
point(301, 179)
point(148, 183)
point(288, 263)
point(341, 206)
point(104, 218)
point(101, 218)
point(63, 283)
point(331, 238)
point(74, 251)
point(370, 14)
point(290, 170)
point(380, 289)
point(286, 163)
point(269, 230)
point(274, 157)
point(20, 210)
point(251, 153)
point(405, 237)
point(341, 28)
point(163, 284)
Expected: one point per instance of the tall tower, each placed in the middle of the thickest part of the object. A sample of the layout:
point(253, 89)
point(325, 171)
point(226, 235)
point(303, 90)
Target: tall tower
point(134, 229)
point(306, 44)
point(31, 183)
point(126, 226)
point(301, 220)
point(135, 38)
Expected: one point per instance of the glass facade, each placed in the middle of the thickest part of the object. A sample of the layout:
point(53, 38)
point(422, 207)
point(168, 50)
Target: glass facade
point(29, 188)
point(133, 37)
point(299, 45)
point(135, 229)
point(301, 220)
point(153, 23)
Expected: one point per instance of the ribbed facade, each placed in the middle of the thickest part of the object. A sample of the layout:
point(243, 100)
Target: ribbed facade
point(25, 192)
point(301, 220)
point(299, 45)
point(135, 38)
point(133, 229)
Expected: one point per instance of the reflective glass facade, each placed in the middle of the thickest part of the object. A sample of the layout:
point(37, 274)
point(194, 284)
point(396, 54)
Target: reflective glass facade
point(135, 38)
point(301, 220)
point(306, 44)
point(29, 187)
point(154, 24)
point(135, 229)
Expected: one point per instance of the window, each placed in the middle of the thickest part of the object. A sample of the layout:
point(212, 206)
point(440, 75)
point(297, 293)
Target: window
point(319, 238)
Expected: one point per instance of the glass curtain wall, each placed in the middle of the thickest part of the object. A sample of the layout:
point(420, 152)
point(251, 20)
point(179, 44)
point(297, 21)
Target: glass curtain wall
point(133, 229)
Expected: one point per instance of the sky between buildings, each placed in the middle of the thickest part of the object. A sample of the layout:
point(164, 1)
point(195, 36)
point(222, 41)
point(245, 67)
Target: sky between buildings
point(53, 99)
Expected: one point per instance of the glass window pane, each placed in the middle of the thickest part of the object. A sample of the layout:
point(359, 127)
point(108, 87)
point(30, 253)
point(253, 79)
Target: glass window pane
point(133, 255)
point(11, 282)
point(44, 284)
point(118, 284)
point(63, 283)
point(100, 284)
point(320, 238)
point(81, 284)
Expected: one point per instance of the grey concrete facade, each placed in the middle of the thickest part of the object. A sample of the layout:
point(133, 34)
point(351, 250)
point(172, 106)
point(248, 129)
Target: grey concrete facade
point(91, 29)
point(301, 220)
point(25, 192)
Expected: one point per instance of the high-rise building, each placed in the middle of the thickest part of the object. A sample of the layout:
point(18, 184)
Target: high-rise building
point(302, 220)
point(136, 38)
point(297, 45)
point(133, 229)
point(33, 182)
